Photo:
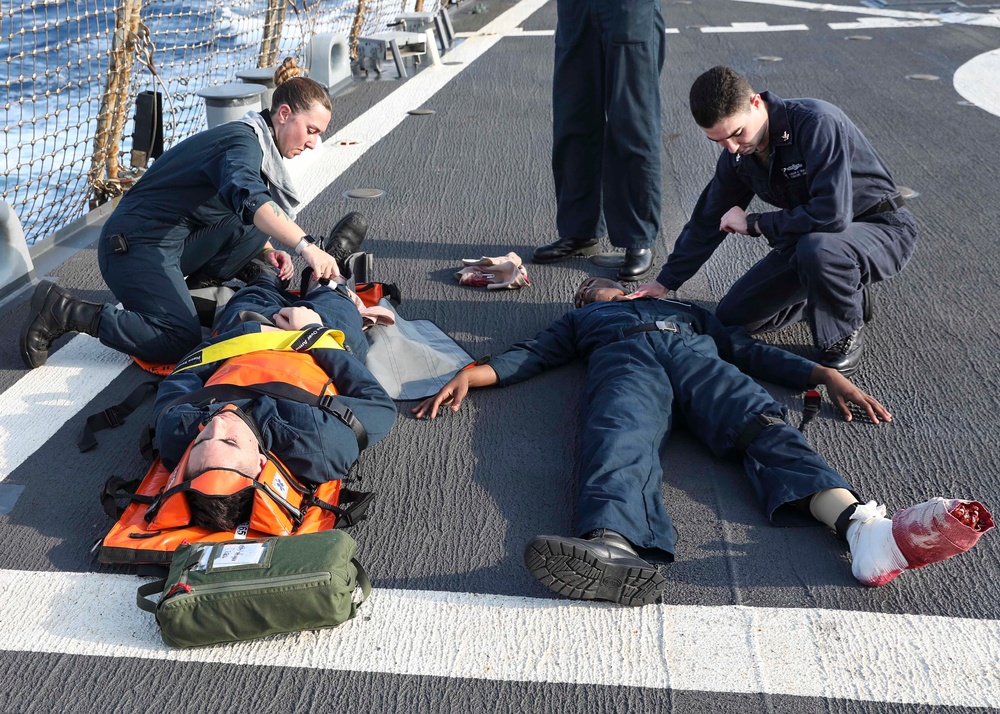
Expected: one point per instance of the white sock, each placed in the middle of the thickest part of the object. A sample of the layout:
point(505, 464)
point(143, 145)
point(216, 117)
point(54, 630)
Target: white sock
point(875, 557)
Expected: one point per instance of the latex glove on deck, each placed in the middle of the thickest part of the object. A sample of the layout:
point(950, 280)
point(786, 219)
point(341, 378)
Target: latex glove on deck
point(497, 273)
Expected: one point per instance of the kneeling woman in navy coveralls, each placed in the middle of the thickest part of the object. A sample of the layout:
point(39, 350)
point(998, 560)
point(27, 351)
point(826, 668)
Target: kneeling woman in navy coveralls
point(652, 359)
point(206, 208)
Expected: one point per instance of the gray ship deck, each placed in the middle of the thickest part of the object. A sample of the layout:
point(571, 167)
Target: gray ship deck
point(754, 618)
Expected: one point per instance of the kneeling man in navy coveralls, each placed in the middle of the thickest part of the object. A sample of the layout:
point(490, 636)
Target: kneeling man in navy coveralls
point(653, 360)
point(839, 226)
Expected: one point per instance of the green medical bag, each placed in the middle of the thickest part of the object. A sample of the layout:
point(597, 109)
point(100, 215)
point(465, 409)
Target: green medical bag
point(243, 589)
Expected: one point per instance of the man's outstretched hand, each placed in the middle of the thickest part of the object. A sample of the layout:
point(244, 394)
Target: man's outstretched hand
point(843, 392)
point(455, 390)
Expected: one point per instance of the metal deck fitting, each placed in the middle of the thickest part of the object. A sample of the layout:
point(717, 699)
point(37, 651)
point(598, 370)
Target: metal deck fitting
point(375, 49)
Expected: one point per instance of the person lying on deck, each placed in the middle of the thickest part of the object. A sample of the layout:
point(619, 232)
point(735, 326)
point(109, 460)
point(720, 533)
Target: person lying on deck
point(652, 360)
point(284, 377)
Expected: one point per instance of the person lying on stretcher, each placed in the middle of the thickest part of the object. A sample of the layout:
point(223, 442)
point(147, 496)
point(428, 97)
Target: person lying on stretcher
point(650, 360)
point(284, 380)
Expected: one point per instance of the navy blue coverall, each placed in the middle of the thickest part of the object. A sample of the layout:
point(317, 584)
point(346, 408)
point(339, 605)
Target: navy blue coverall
point(312, 443)
point(823, 175)
point(606, 128)
point(192, 211)
point(638, 384)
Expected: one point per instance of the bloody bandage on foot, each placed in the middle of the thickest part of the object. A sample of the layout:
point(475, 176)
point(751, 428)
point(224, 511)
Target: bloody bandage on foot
point(939, 529)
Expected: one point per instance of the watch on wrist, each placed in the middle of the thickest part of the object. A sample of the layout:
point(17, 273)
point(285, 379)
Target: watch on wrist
point(304, 241)
point(752, 220)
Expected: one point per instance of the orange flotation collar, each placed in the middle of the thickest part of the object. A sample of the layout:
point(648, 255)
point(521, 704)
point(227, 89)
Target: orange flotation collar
point(277, 501)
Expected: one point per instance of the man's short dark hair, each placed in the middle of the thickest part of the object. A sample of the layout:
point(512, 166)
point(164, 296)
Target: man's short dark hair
point(719, 94)
point(220, 513)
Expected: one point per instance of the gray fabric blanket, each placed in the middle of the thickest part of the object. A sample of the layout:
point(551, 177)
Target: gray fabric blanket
point(273, 168)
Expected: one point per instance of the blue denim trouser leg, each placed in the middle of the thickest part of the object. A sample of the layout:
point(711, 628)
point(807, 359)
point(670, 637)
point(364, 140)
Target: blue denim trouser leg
point(821, 278)
point(606, 121)
point(634, 388)
point(335, 308)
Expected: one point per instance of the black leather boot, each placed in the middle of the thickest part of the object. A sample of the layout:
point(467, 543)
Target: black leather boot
point(565, 248)
point(600, 566)
point(845, 355)
point(637, 263)
point(346, 238)
point(54, 312)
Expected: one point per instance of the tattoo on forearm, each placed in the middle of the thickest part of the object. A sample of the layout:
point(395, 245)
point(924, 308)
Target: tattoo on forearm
point(277, 210)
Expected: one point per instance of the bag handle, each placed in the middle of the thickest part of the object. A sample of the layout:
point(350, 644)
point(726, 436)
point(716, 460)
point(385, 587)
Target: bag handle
point(363, 581)
point(144, 591)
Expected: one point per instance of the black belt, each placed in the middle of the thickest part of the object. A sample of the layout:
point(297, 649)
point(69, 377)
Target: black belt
point(658, 326)
point(893, 203)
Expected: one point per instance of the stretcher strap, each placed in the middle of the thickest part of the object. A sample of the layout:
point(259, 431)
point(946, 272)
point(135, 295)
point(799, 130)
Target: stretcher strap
point(315, 337)
point(347, 516)
point(113, 416)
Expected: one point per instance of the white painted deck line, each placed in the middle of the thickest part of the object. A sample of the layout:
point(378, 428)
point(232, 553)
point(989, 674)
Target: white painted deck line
point(43, 400)
point(978, 81)
point(852, 9)
point(753, 27)
point(809, 653)
point(518, 32)
point(879, 23)
point(984, 19)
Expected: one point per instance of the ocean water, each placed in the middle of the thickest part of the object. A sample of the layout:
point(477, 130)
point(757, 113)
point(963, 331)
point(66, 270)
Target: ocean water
point(53, 71)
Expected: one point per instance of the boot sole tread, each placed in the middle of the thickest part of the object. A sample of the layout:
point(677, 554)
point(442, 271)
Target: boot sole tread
point(577, 573)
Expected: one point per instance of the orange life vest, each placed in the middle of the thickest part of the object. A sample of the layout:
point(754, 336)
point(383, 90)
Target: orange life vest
point(158, 519)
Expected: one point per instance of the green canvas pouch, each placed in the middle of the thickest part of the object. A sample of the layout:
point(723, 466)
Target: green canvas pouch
point(244, 589)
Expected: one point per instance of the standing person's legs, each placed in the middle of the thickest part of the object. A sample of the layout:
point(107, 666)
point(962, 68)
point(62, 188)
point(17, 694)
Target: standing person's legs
point(577, 124)
point(635, 45)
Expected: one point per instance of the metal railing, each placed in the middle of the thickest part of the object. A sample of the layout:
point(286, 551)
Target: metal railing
point(70, 73)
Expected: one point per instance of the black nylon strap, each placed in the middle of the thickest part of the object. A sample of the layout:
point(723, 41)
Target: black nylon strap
point(893, 203)
point(309, 337)
point(844, 520)
point(115, 488)
point(353, 514)
point(114, 415)
point(658, 326)
point(754, 428)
